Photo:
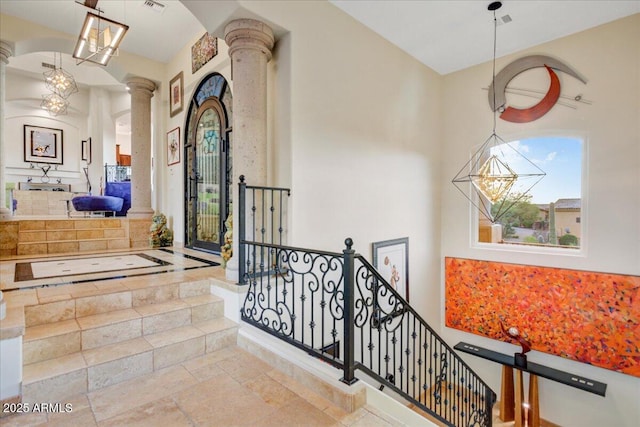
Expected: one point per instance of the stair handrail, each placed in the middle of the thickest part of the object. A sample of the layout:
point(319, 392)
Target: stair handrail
point(329, 299)
point(481, 416)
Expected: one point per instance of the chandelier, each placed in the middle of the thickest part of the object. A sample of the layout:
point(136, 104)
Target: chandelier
point(498, 175)
point(61, 84)
point(54, 104)
point(59, 80)
point(99, 39)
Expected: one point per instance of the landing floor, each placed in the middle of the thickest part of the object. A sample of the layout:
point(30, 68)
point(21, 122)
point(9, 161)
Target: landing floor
point(229, 387)
point(170, 265)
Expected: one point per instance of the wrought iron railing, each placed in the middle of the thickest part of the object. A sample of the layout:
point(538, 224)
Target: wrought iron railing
point(337, 307)
point(117, 173)
point(262, 212)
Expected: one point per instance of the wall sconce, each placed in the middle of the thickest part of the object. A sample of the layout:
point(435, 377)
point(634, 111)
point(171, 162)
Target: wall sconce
point(498, 174)
point(99, 39)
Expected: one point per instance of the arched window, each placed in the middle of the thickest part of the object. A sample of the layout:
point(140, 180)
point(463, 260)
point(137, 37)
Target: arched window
point(552, 214)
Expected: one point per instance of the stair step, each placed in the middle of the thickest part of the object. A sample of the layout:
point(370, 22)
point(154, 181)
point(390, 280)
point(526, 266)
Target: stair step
point(33, 236)
point(205, 307)
point(82, 344)
point(220, 333)
point(105, 300)
point(54, 379)
point(51, 341)
point(56, 339)
point(41, 237)
point(111, 364)
point(176, 345)
point(88, 370)
point(70, 224)
point(71, 246)
point(109, 328)
point(164, 316)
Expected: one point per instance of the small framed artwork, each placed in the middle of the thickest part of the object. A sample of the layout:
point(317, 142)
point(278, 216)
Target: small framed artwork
point(173, 146)
point(202, 51)
point(42, 145)
point(86, 150)
point(176, 94)
point(391, 259)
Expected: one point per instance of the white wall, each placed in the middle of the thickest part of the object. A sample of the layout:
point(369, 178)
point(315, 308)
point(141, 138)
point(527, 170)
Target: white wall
point(92, 112)
point(608, 56)
point(11, 367)
point(23, 99)
point(89, 115)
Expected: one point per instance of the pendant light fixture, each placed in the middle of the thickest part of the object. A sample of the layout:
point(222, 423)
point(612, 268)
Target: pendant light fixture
point(59, 80)
point(99, 37)
point(498, 175)
point(54, 104)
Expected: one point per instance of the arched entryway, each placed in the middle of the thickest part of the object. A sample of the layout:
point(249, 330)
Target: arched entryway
point(208, 164)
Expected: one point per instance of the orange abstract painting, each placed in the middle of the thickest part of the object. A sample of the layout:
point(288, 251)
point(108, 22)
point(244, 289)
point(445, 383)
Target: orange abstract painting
point(585, 316)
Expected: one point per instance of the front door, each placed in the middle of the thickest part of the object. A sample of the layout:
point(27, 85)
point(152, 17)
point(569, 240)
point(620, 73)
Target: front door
point(208, 164)
point(207, 180)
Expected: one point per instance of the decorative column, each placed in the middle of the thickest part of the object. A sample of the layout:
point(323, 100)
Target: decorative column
point(250, 43)
point(6, 51)
point(141, 91)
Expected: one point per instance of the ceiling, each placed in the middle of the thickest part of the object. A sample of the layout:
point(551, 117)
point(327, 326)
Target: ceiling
point(451, 35)
point(445, 35)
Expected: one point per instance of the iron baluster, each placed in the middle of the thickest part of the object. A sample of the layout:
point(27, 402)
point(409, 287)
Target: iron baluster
point(349, 327)
point(339, 298)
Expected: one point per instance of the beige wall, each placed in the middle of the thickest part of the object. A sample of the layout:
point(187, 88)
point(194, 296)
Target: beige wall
point(356, 134)
point(568, 220)
point(170, 198)
point(609, 57)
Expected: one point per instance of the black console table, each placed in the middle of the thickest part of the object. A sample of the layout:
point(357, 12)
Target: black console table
point(511, 409)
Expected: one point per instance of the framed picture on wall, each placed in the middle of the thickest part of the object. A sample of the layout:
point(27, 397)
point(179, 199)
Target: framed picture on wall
point(86, 150)
point(173, 146)
point(42, 145)
point(202, 51)
point(176, 94)
point(391, 259)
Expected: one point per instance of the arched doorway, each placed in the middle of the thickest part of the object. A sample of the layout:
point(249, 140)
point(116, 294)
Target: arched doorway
point(208, 164)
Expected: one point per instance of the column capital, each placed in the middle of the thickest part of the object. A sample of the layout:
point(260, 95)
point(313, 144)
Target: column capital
point(140, 84)
point(6, 51)
point(249, 34)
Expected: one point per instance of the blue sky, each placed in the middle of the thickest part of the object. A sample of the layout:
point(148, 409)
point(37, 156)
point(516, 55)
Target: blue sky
point(561, 159)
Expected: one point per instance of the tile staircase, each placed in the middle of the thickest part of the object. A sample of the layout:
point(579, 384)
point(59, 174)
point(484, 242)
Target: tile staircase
point(79, 345)
point(41, 237)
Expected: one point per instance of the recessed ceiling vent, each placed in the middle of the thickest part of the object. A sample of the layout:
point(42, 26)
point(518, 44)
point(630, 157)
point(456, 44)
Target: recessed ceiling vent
point(504, 20)
point(154, 5)
point(45, 65)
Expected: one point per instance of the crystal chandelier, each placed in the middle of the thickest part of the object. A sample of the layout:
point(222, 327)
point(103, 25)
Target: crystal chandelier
point(54, 104)
point(499, 174)
point(60, 81)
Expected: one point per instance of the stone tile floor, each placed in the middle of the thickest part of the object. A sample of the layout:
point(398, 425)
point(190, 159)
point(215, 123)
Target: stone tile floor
point(229, 387)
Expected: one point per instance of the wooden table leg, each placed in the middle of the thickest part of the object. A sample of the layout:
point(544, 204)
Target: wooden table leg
point(506, 394)
point(534, 404)
point(519, 392)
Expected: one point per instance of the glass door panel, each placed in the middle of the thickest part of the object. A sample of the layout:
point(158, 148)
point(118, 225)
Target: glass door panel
point(207, 217)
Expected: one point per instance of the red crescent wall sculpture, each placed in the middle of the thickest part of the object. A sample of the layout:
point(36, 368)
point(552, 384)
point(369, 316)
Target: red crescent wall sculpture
point(530, 114)
point(497, 99)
